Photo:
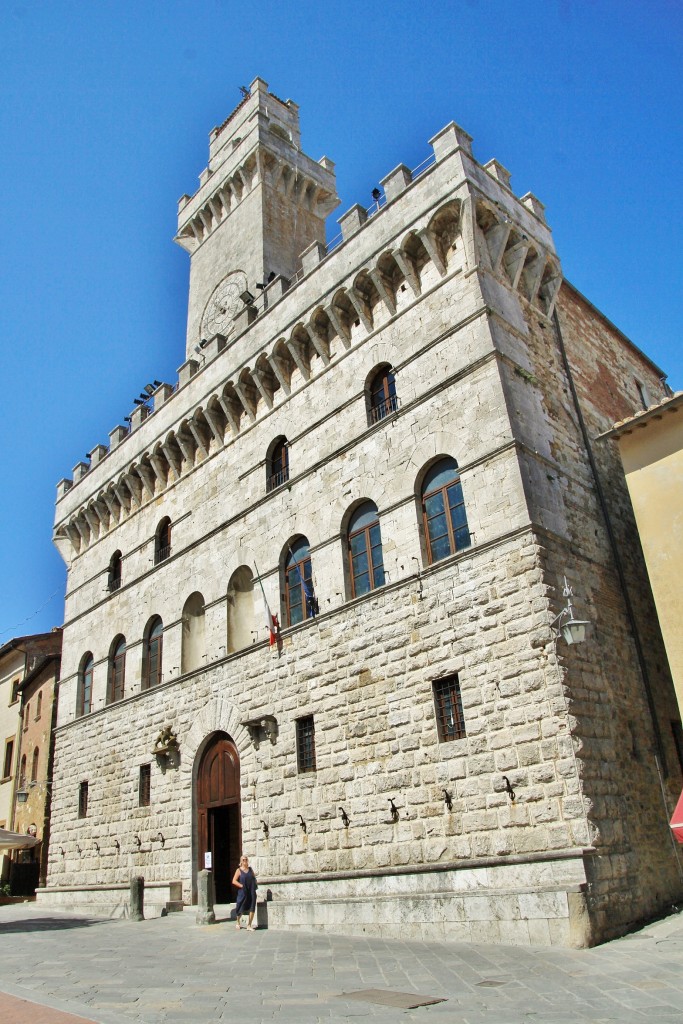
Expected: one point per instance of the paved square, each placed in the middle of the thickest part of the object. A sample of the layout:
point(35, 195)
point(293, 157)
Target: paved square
point(171, 971)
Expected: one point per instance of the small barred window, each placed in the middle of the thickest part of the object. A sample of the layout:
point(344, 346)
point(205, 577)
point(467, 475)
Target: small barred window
point(145, 785)
point(83, 800)
point(450, 720)
point(305, 744)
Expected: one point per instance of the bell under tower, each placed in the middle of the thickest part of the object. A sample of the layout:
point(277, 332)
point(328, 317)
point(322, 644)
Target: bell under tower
point(261, 202)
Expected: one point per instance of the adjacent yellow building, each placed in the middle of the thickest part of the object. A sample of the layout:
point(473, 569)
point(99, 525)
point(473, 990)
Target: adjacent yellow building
point(651, 449)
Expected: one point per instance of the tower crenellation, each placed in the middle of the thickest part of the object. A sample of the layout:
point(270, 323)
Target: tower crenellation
point(260, 203)
point(234, 144)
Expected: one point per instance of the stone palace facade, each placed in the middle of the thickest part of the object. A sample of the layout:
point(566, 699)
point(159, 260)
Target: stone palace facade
point(386, 445)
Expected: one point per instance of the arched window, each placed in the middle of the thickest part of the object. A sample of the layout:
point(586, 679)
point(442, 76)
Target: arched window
point(443, 511)
point(34, 765)
point(152, 655)
point(366, 567)
point(117, 670)
point(162, 541)
point(39, 705)
point(300, 601)
point(381, 391)
point(27, 715)
point(240, 609)
point(194, 647)
point(277, 464)
point(22, 772)
point(114, 581)
point(84, 702)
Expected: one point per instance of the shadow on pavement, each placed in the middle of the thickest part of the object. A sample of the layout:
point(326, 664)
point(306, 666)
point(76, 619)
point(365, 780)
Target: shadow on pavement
point(47, 924)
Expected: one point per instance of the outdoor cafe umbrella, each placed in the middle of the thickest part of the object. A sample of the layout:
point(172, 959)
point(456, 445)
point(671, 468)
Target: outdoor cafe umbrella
point(15, 841)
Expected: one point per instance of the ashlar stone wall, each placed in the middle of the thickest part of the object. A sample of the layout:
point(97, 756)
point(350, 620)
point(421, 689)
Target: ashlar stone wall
point(580, 851)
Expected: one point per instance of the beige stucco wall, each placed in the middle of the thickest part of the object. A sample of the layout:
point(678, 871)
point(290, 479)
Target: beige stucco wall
point(11, 669)
point(652, 454)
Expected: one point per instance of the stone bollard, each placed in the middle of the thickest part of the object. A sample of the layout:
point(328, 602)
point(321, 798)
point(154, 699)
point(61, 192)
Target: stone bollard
point(137, 898)
point(205, 914)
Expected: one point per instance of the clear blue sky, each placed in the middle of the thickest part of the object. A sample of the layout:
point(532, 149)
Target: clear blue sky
point(105, 110)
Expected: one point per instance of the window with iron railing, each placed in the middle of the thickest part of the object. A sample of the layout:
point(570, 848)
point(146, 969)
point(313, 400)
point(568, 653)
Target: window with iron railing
point(383, 399)
point(277, 464)
point(162, 541)
point(384, 408)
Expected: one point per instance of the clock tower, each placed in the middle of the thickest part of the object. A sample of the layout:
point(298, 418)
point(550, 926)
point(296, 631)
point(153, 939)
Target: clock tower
point(261, 202)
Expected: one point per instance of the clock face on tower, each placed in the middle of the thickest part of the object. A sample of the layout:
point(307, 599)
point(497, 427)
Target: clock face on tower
point(223, 306)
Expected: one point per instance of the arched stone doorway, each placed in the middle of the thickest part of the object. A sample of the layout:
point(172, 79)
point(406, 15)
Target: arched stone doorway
point(219, 822)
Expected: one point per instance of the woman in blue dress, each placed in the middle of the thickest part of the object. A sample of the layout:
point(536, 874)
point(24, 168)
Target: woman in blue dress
point(244, 881)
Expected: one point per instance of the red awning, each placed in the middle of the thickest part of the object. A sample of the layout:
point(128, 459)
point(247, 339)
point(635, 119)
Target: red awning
point(676, 822)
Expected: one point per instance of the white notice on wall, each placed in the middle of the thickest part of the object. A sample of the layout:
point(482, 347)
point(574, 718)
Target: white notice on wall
point(207, 861)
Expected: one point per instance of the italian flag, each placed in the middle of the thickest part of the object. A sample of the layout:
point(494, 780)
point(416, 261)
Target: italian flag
point(272, 625)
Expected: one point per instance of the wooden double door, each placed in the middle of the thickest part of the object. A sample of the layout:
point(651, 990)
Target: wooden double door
point(219, 823)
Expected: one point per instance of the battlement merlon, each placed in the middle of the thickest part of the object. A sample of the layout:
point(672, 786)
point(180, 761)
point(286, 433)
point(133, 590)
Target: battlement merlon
point(260, 140)
point(502, 218)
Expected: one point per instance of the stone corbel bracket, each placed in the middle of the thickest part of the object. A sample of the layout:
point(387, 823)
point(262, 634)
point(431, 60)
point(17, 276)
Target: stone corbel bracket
point(166, 748)
point(265, 726)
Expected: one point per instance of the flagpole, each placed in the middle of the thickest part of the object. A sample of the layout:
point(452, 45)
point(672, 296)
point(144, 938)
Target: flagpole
point(273, 624)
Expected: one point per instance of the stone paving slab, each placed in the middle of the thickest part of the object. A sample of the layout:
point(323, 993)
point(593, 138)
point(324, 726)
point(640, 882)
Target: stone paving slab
point(170, 971)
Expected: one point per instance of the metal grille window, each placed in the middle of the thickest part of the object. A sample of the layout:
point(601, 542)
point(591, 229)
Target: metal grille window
point(85, 687)
point(443, 511)
point(383, 399)
point(450, 720)
point(365, 550)
point(9, 758)
point(145, 785)
point(305, 744)
point(278, 464)
point(117, 670)
point(83, 800)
